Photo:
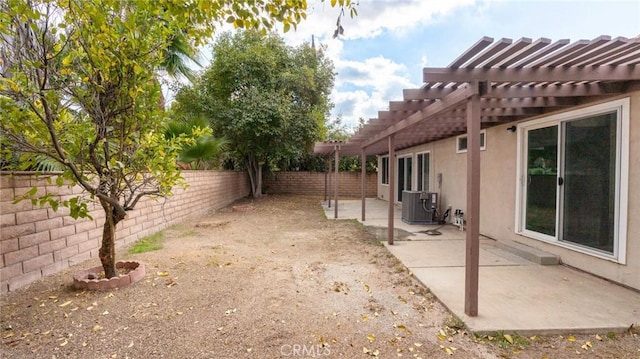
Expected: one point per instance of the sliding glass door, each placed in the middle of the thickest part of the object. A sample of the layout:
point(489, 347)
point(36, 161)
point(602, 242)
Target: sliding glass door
point(542, 174)
point(589, 181)
point(404, 176)
point(571, 181)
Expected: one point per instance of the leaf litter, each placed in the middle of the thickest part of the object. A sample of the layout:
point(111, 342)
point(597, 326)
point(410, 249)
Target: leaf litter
point(264, 303)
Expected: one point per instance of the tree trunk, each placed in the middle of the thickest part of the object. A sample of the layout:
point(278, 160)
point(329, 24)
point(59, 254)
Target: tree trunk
point(258, 191)
point(107, 252)
point(255, 176)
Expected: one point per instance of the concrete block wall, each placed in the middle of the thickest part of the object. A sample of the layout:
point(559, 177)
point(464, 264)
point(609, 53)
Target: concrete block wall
point(37, 241)
point(313, 183)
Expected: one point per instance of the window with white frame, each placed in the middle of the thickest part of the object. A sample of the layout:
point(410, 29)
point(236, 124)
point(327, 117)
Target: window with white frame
point(461, 142)
point(573, 179)
point(422, 164)
point(384, 178)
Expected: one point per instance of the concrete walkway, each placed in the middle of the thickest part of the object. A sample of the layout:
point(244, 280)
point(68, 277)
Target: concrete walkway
point(515, 295)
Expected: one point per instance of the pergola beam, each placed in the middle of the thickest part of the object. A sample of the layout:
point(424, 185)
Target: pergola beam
point(409, 105)
point(426, 94)
point(574, 90)
point(448, 102)
point(600, 73)
point(495, 103)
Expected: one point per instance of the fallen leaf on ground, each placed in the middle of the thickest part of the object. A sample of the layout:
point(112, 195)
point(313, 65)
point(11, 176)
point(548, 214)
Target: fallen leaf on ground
point(508, 338)
point(571, 338)
point(65, 303)
point(371, 337)
point(402, 327)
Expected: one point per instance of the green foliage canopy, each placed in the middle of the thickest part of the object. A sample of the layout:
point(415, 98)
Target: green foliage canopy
point(269, 100)
point(77, 85)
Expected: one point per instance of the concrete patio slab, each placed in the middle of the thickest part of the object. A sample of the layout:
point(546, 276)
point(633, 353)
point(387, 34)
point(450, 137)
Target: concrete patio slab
point(445, 253)
point(515, 295)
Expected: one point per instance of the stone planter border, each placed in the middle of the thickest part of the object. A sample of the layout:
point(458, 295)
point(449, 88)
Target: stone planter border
point(83, 279)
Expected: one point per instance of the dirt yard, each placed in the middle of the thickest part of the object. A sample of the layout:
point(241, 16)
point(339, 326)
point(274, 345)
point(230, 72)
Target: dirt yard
point(278, 281)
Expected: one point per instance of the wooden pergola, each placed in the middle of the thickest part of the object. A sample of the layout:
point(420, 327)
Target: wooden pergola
point(491, 83)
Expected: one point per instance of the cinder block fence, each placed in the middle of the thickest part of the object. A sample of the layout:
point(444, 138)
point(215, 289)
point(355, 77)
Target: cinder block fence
point(36, 242)
point(313, 183)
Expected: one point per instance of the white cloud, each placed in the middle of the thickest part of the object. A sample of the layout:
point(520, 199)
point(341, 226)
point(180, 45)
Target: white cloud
point(366, 86)
point(424, 61)
point(374, 17)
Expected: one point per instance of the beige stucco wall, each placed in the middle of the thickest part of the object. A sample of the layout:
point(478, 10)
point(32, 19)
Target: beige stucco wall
point(498, 195)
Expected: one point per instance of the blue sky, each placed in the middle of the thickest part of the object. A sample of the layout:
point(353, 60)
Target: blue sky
point(386, 46)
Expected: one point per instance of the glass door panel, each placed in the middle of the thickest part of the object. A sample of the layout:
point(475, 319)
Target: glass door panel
point(404, 176)
point(589, 173)
point(423, 172)
point(542, 172)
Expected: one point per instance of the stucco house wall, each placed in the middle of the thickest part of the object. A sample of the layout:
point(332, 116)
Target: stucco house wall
point(498, 185)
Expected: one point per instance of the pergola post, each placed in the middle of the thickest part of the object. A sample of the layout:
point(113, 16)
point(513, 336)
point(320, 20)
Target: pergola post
point(472, 251)
point(326, 172)
point(329, 175)
point(336, 171)
point(363, 164)
point(392, 186)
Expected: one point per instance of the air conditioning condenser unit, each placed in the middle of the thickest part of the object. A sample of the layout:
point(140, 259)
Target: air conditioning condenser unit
point(419, 207)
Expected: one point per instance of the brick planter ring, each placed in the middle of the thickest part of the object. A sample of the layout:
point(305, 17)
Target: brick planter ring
point(87, 279)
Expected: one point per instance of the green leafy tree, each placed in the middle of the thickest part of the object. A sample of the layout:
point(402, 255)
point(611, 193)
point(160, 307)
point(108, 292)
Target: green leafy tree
point(267, 99)
point(205, 152)
point(77, 86)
